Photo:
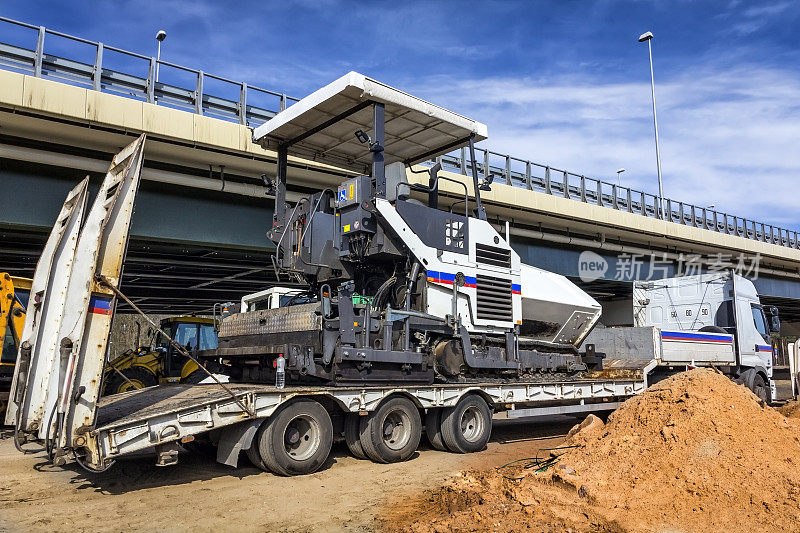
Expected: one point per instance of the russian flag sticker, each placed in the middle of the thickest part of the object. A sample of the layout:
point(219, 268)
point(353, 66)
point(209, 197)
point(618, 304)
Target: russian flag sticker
point(100, 305)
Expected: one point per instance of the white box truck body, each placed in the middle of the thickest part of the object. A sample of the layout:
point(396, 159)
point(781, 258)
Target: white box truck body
point(710, 319)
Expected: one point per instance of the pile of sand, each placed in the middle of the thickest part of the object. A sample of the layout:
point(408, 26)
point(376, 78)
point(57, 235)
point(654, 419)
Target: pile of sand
point(694, 452)
point(790, 410)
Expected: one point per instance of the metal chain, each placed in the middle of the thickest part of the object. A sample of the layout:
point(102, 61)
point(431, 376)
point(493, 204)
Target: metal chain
point(105, 281)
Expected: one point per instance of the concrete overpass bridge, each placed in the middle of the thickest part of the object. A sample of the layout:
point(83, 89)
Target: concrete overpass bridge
point(198, 233)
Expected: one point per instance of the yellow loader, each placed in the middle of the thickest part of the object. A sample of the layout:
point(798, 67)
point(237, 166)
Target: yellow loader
point(160, 363)
point(14, 293)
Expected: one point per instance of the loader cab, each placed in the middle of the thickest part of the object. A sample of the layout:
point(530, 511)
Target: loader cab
point(14, 292)
point(193, 333)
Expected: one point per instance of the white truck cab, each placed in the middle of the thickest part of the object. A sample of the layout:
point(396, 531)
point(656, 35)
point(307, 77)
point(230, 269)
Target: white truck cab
point(721, 303)
point(273, 298)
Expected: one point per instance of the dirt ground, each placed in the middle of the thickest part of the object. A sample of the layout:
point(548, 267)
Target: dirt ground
point(693, 453)
point(201, 495)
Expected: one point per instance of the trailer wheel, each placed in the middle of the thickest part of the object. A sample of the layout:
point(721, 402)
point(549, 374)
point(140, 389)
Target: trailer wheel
point(433, 429)
point(297, 439)
point(351, 435)
point(253, 453)
point(392, 432)
point(466, 428)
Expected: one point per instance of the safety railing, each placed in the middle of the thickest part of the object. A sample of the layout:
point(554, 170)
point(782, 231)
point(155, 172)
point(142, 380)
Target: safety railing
point(158, 82)
point(550, 180)
point(59, 57)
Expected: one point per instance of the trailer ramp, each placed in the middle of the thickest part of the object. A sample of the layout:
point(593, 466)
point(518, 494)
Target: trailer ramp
point(57, 380)
point(45, 305)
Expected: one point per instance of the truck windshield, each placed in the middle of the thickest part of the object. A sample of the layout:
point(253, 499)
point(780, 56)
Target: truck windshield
point(759, 321)
point(294, 299)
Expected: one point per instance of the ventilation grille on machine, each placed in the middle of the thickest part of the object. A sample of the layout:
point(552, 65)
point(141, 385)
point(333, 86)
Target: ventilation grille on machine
point(494, 298)
point(489, 255)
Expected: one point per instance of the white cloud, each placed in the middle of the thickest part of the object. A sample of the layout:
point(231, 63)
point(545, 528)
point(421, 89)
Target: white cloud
point(728, 137)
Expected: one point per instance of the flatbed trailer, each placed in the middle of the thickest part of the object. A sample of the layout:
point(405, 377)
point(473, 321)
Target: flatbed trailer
point(161, 417)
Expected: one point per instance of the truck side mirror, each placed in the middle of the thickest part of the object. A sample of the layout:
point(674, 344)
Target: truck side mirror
point(774, 324)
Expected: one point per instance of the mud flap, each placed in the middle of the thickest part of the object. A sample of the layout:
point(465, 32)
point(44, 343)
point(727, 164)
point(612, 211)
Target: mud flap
point(235, 439)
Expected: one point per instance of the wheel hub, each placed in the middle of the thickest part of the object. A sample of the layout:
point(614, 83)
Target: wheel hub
point(396, 430)
point(302, 437)
point(471, 424)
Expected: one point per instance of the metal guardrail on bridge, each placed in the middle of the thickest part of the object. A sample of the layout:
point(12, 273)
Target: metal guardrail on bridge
point(194, 96)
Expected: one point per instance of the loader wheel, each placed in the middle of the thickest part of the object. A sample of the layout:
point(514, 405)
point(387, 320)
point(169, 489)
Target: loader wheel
point(195, 377)
point(391, 433)
point(138, 378)
point(433, 429)
point(351, 437)
point(297, 439)
point(466, 428)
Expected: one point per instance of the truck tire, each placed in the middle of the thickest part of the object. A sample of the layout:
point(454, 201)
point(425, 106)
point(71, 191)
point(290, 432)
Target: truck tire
point(392, 432)
point(297, 439)
point(466, 428)
point(760, 389)
point(138, 378)
point(351, 435)
point(433, 429)
point(712, 329)
point(253, 452)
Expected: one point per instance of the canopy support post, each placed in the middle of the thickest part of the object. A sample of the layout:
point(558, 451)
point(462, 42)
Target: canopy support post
point(379, 137)
point(480, 211)
point(279, 217)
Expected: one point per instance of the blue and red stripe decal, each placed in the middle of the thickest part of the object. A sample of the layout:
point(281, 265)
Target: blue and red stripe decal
point(446, 278)
point(100, 305)
point(719, 338)
point(764, 348)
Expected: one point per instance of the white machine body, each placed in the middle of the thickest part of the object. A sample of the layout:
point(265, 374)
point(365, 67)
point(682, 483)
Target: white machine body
point(498, 291)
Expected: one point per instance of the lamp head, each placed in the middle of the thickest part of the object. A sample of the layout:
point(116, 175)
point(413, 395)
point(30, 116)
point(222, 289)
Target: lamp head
point(645, 36)
point(363, 137)
point(487, 183)
point(161, 35)
point(620, 171)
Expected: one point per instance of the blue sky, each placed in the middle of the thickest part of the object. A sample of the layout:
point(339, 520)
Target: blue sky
point(563, 83)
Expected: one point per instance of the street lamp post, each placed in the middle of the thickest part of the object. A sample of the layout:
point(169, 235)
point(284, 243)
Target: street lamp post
point(620, 171)
point(642, 38)
point(160, 36)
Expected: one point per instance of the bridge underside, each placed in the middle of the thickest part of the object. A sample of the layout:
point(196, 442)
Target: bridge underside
point(190, 247)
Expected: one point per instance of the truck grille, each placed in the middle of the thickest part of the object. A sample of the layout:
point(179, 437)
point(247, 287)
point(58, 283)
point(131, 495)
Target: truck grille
point(489, 255)
point(494, 298)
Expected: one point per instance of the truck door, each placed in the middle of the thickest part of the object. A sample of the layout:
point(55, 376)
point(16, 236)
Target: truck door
point(755, 346)
point(762, 346)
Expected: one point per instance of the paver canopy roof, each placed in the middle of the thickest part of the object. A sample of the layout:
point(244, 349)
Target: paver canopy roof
point(415, 129)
